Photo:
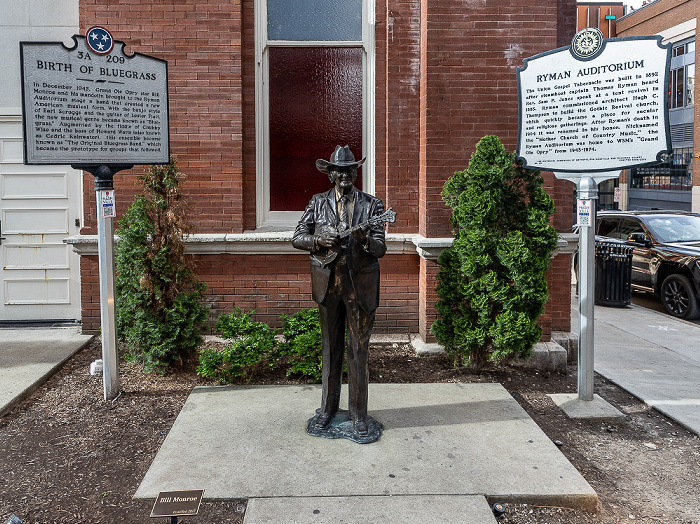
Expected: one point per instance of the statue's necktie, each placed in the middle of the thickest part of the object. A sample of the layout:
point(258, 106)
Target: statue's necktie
point(343, 212)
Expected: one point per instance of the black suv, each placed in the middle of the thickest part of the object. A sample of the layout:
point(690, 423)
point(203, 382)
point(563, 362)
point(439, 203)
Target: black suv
point(666, 256)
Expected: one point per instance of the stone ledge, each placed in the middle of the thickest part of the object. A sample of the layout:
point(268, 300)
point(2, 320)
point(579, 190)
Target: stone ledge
point(546, 356)
point(569, 341)
point(254, 243)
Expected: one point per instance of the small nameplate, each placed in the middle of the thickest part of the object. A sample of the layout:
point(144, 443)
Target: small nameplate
point(177, 503)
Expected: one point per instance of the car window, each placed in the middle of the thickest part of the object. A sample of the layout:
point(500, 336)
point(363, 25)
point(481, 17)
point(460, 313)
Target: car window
point(607, 227)
point(680, 228)
point(629, 226)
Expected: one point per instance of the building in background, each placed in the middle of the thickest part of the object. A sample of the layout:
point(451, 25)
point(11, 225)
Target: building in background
point(258, 91)
point(670, 184)
point(602, 15)
point(39, 205)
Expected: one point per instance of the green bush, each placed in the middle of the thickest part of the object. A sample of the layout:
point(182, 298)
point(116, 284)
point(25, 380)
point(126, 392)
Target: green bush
point(255, 346)
point(242, 359)
point(302, 347)
point(158, 297)
point(491, 282)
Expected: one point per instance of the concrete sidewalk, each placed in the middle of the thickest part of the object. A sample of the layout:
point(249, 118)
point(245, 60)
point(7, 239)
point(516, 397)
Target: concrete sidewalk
point(653, 356)
point(445, 450)
point(29, 356)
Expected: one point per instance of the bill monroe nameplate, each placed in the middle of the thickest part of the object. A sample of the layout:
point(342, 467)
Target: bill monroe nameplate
point(92, 104)
point(596, 105)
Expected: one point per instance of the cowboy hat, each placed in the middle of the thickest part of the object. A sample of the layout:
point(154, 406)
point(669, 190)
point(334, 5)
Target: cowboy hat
point(341, 158)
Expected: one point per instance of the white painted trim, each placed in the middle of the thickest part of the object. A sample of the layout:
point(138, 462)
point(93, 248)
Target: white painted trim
point(315, 43)
point(679, 32)
point(10, 114)
point(265, 218)
point(255, 243)
point(368, 97)
point(261, 179)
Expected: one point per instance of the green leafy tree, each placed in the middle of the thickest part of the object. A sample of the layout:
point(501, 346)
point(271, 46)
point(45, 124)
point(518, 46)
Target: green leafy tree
point(160, 313)
point(491, 283)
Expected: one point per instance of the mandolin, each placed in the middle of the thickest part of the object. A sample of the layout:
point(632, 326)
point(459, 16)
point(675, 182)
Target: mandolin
point(331, 253)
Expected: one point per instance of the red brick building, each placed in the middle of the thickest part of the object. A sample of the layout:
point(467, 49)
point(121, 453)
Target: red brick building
point(256, 91)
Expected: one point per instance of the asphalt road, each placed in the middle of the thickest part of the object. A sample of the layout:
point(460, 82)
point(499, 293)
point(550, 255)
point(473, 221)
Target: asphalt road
point(652, 302)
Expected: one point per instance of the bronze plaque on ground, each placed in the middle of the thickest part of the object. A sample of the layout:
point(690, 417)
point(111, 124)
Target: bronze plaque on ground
point(177, 503)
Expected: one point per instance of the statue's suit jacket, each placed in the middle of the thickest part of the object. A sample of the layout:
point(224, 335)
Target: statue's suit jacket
point(361, 260)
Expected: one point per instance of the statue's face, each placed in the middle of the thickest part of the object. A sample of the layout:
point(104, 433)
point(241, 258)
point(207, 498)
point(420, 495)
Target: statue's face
point(344, 179)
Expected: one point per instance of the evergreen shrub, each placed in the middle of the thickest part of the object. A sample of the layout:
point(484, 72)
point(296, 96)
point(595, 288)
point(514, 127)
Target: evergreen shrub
point(302, 346)
point(491, 282)
point(160, 314)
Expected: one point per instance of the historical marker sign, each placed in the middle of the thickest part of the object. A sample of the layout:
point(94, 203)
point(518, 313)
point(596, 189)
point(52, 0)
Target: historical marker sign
point(92, 104)
point(597, 105)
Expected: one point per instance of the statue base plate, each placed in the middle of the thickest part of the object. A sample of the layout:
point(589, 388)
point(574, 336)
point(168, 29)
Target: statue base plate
point(341, 427)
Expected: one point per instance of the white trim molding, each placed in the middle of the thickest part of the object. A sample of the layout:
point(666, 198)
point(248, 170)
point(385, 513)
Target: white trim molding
point(255, 243)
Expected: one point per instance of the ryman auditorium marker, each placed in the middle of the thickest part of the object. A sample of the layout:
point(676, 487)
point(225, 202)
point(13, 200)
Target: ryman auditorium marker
point(597, 105)
point(587, 111)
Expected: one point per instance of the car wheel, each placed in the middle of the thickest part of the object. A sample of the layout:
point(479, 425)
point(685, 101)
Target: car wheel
point(678, 297)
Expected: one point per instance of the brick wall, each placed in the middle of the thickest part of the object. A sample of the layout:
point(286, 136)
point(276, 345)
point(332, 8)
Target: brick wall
point(273, 285)
point(445, 77)
point(201, 40)
point(468, 87)
point(397, 113)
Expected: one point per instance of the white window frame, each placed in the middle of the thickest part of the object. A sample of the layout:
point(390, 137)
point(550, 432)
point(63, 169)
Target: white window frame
point(283, 220)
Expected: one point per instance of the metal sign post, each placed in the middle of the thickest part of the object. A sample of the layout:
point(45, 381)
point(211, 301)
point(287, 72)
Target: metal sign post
point(104, 202)
point(587, 190)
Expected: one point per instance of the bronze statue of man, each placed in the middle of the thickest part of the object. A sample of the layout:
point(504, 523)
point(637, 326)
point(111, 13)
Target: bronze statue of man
point(344, 250)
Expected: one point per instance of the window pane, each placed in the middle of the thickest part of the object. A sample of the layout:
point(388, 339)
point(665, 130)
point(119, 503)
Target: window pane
point(674, 173)
point(629, 226)
point(315, 104)
point(678, 50)
point(324, 20)
point(677, 88)
point(689, 84)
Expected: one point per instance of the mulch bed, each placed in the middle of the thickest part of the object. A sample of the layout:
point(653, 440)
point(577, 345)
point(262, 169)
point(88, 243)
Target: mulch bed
point(68, 456)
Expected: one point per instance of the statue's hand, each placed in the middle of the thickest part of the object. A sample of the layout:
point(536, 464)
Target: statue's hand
point(327, 237)
point(360, 235)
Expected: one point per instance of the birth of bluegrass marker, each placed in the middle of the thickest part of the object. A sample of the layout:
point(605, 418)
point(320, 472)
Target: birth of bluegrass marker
point(91, 104)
